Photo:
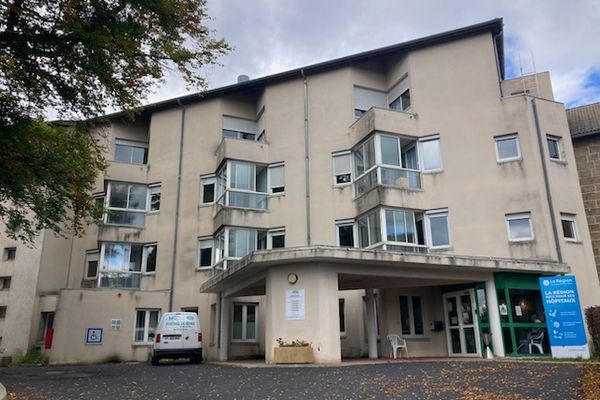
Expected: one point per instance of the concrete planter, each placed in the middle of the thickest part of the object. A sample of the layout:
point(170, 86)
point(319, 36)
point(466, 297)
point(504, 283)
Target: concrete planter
point(293, 355)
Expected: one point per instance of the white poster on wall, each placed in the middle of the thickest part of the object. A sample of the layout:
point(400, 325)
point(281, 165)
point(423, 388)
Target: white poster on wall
point(294, 304)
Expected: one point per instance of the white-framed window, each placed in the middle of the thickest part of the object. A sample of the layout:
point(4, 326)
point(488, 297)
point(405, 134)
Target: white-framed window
point(131, 152)
point(369, 229)
point(276, 239)
point(569, 227)
point(276, 175)
point(507, 148)
point(555, 148)
point(115, 324)
point(92, 258)
point(239, 128)
point(519, 227)
point(438, 230)
point(245, 322)
point(342, 168)
point(122, 264)
point(127, 204)
point(207, 189)
point(411, 316)
point(146, 322)
point(154, 198)
point(242, 185)
point(346, 233)
point(430, 154)
point(399, 96)
point(205, 252)
point(342, 317)
point(365, 98)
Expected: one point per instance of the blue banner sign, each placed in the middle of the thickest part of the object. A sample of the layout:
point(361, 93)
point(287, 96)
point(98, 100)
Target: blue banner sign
point(566, 330)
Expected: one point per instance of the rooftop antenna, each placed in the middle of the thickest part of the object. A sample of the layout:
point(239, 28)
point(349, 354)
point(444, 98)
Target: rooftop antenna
point(529, 79)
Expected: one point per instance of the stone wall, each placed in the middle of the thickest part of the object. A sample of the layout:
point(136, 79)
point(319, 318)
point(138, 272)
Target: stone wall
point(587, 156)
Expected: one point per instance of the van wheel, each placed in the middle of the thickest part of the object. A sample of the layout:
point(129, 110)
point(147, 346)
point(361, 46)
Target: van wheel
point(155, 360)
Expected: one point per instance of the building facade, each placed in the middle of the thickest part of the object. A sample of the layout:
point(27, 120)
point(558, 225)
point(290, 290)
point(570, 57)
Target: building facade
point(407, 190)
point(584, 123)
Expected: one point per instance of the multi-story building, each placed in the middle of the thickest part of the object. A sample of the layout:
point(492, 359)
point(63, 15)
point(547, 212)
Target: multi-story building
point(584, 123)
point(409, 189)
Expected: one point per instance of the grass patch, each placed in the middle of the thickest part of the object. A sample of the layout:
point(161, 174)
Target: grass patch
point(591, 382)
point(32, 357)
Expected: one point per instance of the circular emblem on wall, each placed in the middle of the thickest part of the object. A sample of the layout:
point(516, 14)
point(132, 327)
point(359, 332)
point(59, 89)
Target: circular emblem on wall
point(292, 278)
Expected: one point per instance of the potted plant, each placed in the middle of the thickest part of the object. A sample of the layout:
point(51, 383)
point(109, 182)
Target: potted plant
point(294, 352)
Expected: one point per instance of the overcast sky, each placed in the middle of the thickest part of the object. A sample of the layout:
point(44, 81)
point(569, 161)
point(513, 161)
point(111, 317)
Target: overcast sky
point(271, 36)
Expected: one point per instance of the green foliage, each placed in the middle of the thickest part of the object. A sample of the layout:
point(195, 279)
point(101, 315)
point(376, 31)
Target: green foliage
point(592, 317)
point(78, 58)
point(33, 356)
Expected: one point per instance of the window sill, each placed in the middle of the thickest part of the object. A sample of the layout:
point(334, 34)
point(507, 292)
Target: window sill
point(573, 241)
point(509, 160)
point(142, 344)
point(245, 342)
point(432, 172)
point(123, 226)
point(205, 205)
point(280, 194)
point(441, 249)
point(128, 163)
point(153, 212)
point(153, 273)
point(559, 161)
point(201, 269)
point(521, 241)
point(342, 185)
point(343, 335)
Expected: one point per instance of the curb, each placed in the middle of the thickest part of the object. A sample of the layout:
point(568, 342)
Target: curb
point(2, 392)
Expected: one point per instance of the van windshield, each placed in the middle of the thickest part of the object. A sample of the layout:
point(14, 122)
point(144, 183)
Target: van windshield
point(178, 322)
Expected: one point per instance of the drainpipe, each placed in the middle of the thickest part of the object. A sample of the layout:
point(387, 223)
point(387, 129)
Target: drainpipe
point(546, 181)
point(306, 157)
point(177, 201)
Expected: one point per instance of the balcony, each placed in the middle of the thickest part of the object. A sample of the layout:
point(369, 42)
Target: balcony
point(383, 120)
point(239, 198)
point(396, 177)
point(240, 149)
point(115, 279)
point(400, 247)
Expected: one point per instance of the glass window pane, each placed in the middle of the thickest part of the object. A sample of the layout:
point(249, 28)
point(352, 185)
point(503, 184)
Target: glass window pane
point(526, 305)
point(242, 176)
point(250, 322)
point(137, 197)
point(138, 155)
point(206, 257)
point(417, 315)
point(341, 315)
point(278, 241)
point(395, 227)
point(390, 152)
point(363, 232)
point(359, 163)
point(116, 257)
point(261, 178)
point(553, 149)
point(439, 230)
point(155, 199)
point(520, 228)
point(122, 153)
point(135, 258)
point(151, 258)
point(346, 235)
point(374, 228)
point(277, 176)
point(140, 322)
point(118, 195)
point(153, 321)
point(409, 218)
point(404, 315)
point(237, 322)
point(507, 148)
point(369, 153)
point(568, 228)
point(208, 193)
point(405, 99)
point(432, 158)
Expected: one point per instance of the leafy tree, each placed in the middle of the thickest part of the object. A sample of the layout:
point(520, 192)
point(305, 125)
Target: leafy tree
point(79, 58)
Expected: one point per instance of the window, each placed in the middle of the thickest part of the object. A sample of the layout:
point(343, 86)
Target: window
point(364, 99)
point(243, 185)
point(99, 199)
point(207, 189)
point(2, 312)
point(364, 157)
point(342, 168)
point(276, 239)
point(146, 322)
point(342, 317)
point(91, 264)
point(411, 315)
point(123, 263)
point(568, 226)
point(205, 255)
point(239, 128)
point(131, 152)
point(507, 148)
point(346, 233)
point(369, 229)
point(276, 179)
point(519, 227)
point(190, 309)
point(5, 282)
point(245, 325)
point(555, 147)
point(10, 253)
point(437, 229)
point(154, 198)
point(149, 258)
point(126, 204)
point(402, 102)
point(431, 155)
point(115, 324)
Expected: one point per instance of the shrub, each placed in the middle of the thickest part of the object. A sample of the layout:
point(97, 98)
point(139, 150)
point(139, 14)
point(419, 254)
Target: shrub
point(293, 343)
point(592, 317)
point(34, 356)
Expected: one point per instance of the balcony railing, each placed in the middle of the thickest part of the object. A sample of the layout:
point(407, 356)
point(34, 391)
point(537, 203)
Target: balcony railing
point(400, 247)
point(402, 178)
point(239, 198)
point(115, 279)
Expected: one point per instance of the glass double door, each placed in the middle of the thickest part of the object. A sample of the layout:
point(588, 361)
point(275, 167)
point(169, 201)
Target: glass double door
point(461, 323)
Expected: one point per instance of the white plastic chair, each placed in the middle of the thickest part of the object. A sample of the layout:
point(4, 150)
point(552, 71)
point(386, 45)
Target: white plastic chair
point(536, 340)
point(396, 342)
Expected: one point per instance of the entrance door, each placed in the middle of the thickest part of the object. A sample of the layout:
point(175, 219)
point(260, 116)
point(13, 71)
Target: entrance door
point(461, 323)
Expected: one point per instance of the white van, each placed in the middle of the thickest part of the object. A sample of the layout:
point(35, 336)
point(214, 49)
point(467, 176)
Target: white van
point(178, 336)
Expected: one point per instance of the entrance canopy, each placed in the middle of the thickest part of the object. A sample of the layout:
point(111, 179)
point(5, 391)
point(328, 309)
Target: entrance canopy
point(362, 268)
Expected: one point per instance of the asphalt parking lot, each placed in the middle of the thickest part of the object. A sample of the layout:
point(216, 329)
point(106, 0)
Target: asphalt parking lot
point(406, 380)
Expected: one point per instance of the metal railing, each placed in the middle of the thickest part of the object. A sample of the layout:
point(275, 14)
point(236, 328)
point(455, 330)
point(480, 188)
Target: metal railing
point(403, 178)
point(400, 247)
point(115, 279)
point(239, 198)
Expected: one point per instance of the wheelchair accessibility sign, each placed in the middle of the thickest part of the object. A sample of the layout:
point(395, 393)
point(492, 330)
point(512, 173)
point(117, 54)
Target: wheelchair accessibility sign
point(93, 336)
